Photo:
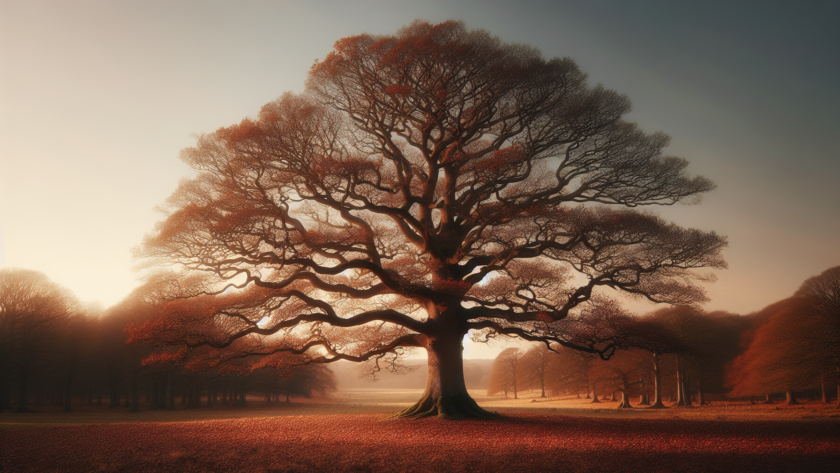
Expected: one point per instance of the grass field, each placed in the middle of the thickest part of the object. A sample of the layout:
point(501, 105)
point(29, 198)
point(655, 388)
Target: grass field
point(352, 432)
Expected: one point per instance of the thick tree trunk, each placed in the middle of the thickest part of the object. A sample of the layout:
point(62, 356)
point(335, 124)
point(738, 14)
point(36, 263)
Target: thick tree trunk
point(594, 396)
point(625, 401)
point(446, 393)
point(657, 385)
point(791, 398)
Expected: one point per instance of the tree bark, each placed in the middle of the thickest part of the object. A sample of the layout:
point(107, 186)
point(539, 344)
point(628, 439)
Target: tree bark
point(446, 393)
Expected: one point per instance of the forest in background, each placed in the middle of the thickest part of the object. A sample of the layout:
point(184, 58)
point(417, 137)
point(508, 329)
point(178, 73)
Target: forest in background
point(54, 350)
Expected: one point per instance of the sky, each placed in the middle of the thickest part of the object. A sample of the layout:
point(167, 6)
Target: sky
point(98, 97)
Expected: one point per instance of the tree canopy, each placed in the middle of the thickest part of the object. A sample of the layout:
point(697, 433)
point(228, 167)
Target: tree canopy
point(425, 185)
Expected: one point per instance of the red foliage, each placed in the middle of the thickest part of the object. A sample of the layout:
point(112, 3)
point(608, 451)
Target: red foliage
point(369, 443)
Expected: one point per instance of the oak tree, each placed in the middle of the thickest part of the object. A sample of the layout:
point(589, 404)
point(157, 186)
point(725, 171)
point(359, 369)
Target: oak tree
point(426, 185)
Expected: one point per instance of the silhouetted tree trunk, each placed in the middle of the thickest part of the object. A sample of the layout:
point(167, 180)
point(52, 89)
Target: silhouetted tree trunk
point(68, 393)
point(837, 406)
point(682, 399)
point(170, 392)
point(791, 397)
point(22, 386)
point(135, 393)
point(657, 385)
point(446, 393)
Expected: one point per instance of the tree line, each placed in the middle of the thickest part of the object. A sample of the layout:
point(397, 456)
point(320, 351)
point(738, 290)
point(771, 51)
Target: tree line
point(689, 356)
point(56, 350)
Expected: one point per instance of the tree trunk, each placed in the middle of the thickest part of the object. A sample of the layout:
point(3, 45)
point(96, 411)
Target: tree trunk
point(682, 395)
point(791, 397)
point(657, 385)
point(837, 406)
point(594, 396)
point(170, 393)
point(115, 397)
point(69, 388)
point(135, 394)
point(625, 401)
point(5, 395)
point(21, 407)
point(446, 393)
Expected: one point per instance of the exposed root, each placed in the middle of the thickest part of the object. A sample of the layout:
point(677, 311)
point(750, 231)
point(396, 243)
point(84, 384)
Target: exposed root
point(625, 404)
point(459, 406)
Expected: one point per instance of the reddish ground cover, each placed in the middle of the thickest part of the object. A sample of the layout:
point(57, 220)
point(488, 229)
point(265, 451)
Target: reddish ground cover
point(369, 443)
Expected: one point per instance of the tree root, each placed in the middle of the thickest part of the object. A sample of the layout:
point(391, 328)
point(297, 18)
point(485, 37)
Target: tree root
point(458, 406)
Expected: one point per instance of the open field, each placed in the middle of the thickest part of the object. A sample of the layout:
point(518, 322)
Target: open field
point(352, 432)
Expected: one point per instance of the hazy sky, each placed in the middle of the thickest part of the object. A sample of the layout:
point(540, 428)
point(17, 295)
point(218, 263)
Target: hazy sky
point(98, 97)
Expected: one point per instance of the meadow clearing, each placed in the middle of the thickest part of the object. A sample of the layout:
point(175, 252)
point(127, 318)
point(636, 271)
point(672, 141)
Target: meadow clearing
point(351, 431)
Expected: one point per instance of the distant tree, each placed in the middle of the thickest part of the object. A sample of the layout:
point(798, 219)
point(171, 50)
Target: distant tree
point(685, 327)
point(72, 351)
point(32, 310)
point(427, 184)
point(536, 365)
point(568, 372)
point(648, 333)
point(622, 373)
point(782, 356)
point(822, 294)
point(507, 372)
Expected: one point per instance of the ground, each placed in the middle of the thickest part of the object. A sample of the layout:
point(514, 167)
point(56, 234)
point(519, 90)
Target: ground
point(352, 432)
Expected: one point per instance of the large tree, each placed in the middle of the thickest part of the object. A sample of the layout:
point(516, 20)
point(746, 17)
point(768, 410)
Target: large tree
point(425, 185)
